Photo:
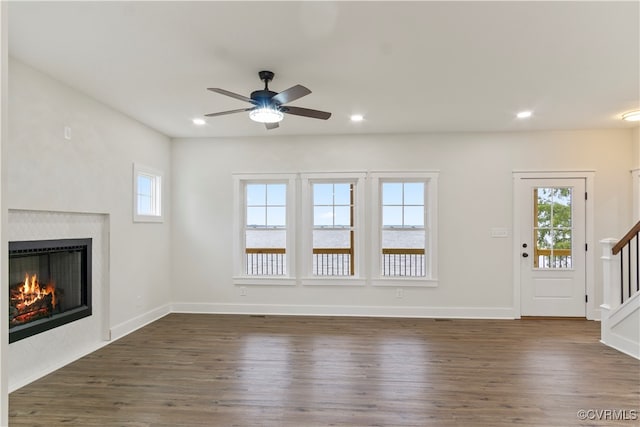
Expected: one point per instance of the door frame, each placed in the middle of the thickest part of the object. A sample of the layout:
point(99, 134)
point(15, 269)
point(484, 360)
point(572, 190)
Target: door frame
point(591, 312)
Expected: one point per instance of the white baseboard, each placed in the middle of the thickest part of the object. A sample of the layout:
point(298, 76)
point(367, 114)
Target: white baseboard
point(117, 331)
point(345, 310)
point(69, 358)
point(125, 328)
point(623, 345)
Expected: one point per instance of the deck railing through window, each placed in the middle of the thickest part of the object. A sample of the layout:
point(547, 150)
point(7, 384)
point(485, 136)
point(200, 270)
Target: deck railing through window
point(403, 262)
point(333, 262)
point(396, 262)
point(628, 250)
point(266, 261)
point(556, 258)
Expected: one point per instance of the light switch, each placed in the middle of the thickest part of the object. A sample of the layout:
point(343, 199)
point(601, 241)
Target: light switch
point(499, 232)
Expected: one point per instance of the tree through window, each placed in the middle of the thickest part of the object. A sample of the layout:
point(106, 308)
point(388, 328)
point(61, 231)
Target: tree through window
point(553, 227)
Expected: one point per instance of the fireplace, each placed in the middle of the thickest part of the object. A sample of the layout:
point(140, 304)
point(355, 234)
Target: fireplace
point(49, 285)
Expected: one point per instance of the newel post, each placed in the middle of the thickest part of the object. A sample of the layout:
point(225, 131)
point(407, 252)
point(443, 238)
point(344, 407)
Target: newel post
point(611, 276)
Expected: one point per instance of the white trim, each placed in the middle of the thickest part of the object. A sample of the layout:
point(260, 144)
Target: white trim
point(590, 258)
point(156, 196)
point(131, 325)
point(342, 281)
point(264, 281)
point(417, 282)
point(333, 176)
point(69, 358)
point(348, 310)
point(117, 332)
point(238, 227)
point(430, 180)
point(567, 173)
point(306, 238)
point(614, 317)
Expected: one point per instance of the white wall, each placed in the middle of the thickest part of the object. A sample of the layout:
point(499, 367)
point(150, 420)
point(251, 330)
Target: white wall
point(635, 137)
point(635, 175)
point(188, 259)
point(91, 173)
point(4, 309)
point(475, 195)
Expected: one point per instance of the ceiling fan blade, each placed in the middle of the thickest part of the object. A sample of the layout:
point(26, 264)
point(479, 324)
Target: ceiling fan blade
point(224, 113)
point(271, 125)
point(291, 94)
point(306, 112)
point(231, 94)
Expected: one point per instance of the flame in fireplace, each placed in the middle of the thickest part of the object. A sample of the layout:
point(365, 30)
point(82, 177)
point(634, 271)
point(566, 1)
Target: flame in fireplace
point(31, 292)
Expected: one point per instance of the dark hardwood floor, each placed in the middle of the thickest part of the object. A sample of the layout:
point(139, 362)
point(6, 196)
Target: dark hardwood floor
point(225, 370)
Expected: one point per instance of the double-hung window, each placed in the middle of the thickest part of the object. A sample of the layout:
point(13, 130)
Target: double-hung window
point(263, 226)
point(333, 208)
point(404, 234)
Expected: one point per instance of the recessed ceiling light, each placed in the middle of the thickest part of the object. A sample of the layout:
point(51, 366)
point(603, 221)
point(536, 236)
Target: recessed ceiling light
point(524, 114)
point(357, 118)
point(199, 122)
point(632, 116)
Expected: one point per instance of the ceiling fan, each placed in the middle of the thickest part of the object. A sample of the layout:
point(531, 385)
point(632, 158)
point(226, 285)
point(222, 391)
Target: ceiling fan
point(268, 106)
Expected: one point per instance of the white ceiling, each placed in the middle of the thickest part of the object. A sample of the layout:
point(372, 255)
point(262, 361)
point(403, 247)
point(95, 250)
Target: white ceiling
point(408, 67)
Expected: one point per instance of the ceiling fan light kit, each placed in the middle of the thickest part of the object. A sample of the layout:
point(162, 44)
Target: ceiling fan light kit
point(266, 115)
point(631, 116)
point(268, 106)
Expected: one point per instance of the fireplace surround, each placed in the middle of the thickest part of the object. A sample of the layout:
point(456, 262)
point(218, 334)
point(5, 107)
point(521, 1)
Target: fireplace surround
point(49, 284)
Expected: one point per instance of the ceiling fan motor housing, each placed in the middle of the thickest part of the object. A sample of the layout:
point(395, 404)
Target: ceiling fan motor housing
point(262, 98)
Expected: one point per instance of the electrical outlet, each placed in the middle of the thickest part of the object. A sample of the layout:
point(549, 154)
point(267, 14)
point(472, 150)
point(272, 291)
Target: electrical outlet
point(67, 132)
point(399, 293)
point(243, 291)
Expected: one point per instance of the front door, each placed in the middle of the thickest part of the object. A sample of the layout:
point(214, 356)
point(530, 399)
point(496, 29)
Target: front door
point(552, 247)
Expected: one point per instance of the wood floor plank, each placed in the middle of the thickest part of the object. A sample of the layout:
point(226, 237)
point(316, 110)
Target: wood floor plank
point(233, 370)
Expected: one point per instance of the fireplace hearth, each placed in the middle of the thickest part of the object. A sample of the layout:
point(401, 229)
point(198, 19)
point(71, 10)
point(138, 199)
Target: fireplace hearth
point(49, 285)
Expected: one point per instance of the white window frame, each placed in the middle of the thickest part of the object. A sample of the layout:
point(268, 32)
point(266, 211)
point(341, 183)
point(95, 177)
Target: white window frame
point(359, 181)
point(156, 193)
point(430, 180)
point(240, 181)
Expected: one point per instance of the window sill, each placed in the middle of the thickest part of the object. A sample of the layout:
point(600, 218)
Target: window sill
point(336, 281)
point(405, 282)
point(147, 218)
point(263, 281)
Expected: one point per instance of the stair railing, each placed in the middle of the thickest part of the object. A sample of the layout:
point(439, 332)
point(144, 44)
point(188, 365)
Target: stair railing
point(628, 249)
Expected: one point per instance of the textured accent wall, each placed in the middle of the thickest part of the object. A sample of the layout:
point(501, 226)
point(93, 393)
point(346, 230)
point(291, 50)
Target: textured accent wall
point(40, 354)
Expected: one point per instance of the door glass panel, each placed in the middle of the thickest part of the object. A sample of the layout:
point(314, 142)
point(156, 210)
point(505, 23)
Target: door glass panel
point(561, 207)
point(543, 205)
point(552, 227)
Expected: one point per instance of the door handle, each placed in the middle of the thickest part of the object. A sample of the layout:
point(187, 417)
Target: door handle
point(524, 254)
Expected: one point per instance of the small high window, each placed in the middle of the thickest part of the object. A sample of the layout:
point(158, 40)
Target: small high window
point(147, 194)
